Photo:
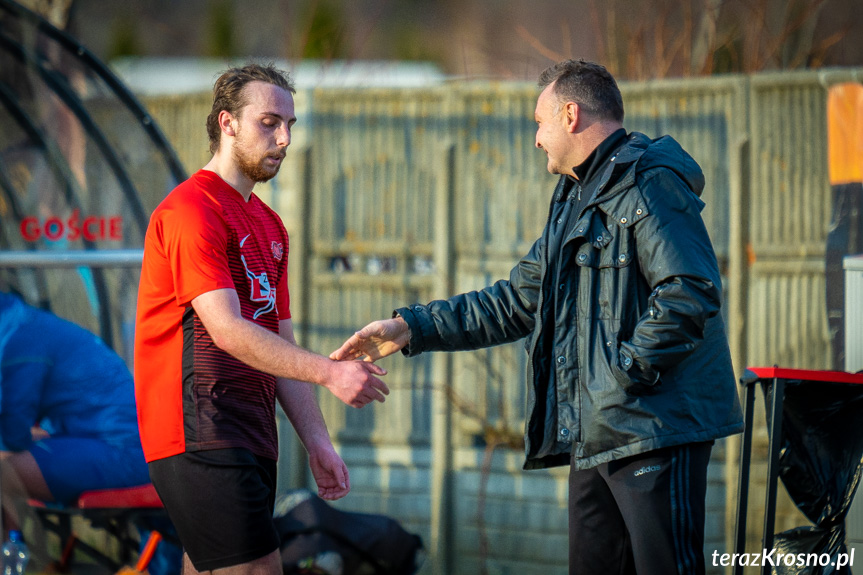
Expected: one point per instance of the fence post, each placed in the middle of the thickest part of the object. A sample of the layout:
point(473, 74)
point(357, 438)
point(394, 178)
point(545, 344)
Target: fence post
point(442, 536)
point(302, 271)
point(738, 296)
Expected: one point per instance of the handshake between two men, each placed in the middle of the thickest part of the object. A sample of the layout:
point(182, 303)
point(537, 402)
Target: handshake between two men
point(373, 342)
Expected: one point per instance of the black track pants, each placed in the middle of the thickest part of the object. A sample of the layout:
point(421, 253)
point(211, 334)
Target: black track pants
point(640, 515)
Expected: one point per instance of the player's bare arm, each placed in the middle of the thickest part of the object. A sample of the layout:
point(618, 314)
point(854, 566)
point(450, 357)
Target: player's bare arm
point(355, 383)
point(298, 400)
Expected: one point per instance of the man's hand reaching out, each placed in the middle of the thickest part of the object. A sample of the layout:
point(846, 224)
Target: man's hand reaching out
point(378, 339)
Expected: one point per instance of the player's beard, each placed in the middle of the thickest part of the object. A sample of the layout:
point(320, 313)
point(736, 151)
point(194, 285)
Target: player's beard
point(253, 167)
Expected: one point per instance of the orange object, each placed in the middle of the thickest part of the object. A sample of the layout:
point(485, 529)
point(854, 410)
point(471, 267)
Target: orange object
point(62, 565)
point(66, 557)
point(146, 555)
point(845, 133)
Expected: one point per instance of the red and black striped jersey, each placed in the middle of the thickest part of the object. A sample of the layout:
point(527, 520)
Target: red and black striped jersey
point(191, 395)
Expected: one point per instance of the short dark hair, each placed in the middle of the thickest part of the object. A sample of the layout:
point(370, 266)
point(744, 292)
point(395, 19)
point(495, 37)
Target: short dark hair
point(587, 84)
point(229, 95)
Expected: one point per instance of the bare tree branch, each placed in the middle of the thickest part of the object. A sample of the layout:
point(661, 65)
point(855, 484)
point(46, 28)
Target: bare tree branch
point(567, 37)
point(808, 14)
point(600, 44)
point(705, 38)
point(661, 38)
point(538, 45)
point(818, 51)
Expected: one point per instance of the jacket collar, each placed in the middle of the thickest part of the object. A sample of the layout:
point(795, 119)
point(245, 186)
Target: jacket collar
point(619, 171)
point(593, 165)
point(616, 176)
point(620, 165)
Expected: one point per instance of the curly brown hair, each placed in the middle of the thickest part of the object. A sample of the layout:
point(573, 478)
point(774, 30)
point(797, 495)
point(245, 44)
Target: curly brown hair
point(229, 93)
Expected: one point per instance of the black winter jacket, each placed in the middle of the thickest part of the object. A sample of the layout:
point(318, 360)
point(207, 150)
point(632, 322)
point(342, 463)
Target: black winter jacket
point(627, 348)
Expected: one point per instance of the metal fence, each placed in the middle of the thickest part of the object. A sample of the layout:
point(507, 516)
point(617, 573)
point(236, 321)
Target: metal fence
point(397, 196)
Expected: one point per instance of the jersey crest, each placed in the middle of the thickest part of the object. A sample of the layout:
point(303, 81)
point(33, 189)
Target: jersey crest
point(278, 251)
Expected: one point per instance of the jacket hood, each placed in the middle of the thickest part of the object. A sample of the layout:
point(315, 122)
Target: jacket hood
point(665, 152)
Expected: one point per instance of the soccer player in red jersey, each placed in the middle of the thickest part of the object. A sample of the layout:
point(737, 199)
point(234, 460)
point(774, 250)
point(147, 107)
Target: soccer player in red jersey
point(215, 347)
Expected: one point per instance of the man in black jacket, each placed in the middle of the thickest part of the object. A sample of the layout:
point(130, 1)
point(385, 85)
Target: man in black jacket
point(629, 372)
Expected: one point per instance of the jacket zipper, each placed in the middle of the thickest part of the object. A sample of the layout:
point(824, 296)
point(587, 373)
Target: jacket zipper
point(539, 301)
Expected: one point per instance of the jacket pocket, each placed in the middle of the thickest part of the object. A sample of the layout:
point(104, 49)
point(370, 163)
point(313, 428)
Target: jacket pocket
point(616, 362)
point(608, 282)
point(607, 350)
point(606, 248)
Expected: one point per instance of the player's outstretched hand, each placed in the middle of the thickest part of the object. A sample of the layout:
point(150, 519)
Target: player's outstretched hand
point(354, 383)
point(378, 339)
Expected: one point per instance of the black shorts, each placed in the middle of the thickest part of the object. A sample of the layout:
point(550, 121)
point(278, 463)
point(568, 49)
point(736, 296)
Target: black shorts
point(221, 502)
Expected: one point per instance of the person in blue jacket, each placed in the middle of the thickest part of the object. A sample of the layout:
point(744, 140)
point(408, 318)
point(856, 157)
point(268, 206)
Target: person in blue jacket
point(68, 422)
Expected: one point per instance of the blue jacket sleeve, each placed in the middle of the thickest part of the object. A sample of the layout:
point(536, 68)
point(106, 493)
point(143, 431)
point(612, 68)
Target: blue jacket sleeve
point(22, 380)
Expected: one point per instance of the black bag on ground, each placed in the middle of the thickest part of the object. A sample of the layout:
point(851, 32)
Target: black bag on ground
point(319, 539)
point(820, 463)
